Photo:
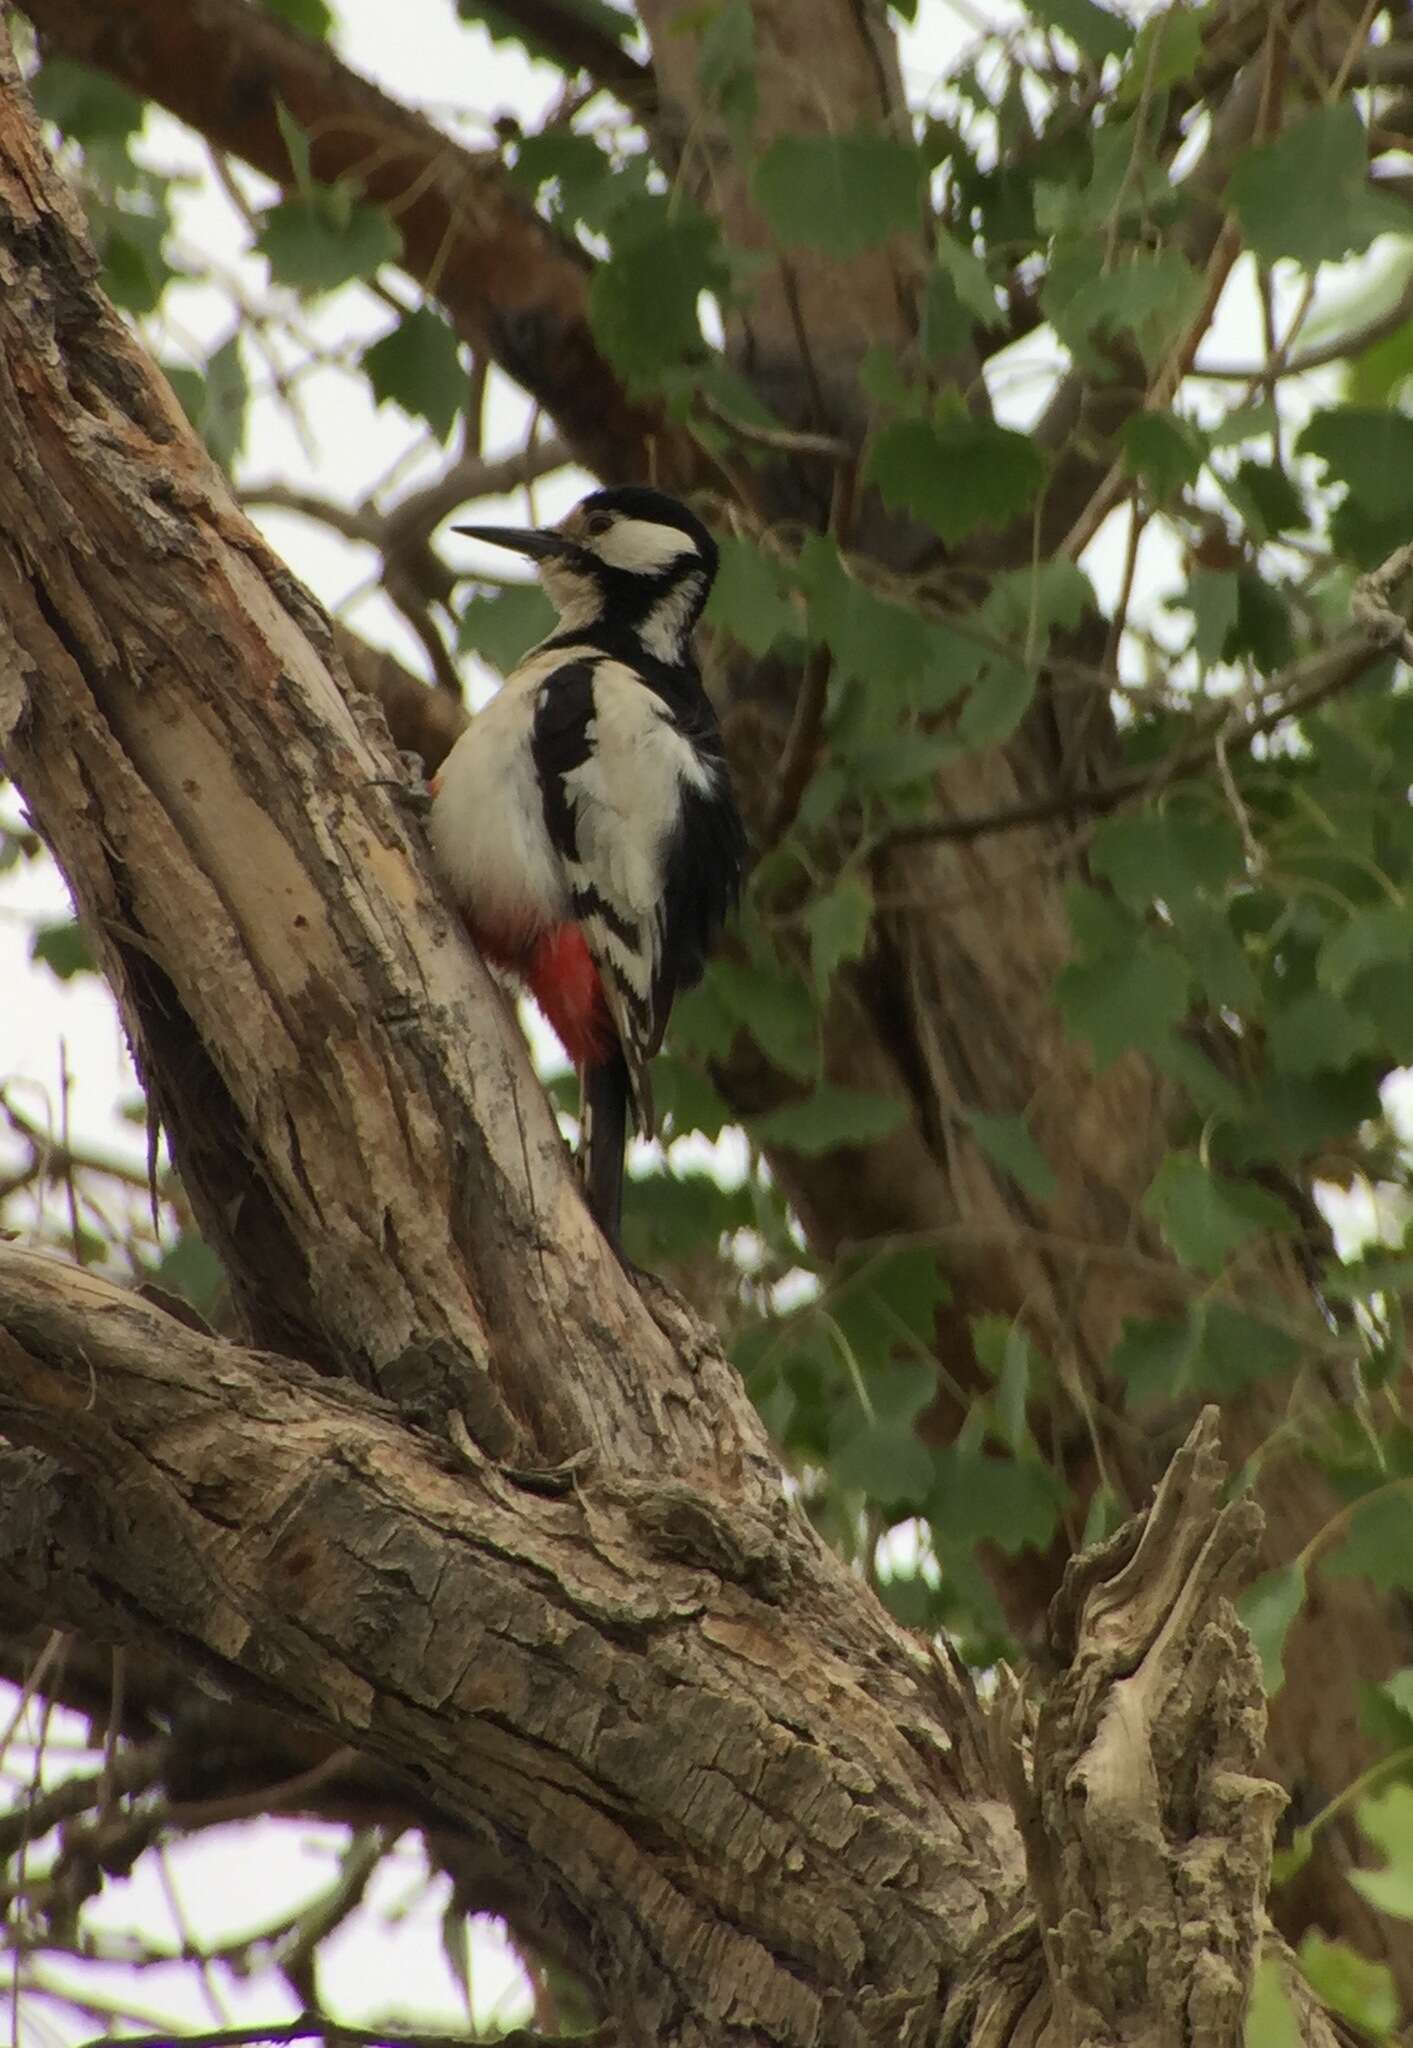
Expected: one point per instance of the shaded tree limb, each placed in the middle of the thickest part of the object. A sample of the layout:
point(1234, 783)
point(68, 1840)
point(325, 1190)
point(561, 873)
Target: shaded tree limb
point(515, 291)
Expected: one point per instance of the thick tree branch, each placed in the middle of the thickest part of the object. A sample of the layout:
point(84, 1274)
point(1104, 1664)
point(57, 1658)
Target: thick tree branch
point(774, 1809)
point(628, 1679)
point(515, 290)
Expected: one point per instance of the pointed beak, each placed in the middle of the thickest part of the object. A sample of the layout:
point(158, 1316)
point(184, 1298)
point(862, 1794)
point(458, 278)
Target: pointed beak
point(541, 544)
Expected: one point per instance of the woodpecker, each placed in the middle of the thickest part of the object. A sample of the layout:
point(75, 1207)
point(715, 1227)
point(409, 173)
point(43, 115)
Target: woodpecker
point(585, 820)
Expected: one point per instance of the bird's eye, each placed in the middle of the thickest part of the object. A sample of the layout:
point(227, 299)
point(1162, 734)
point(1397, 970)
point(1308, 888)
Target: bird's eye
point(597, 523)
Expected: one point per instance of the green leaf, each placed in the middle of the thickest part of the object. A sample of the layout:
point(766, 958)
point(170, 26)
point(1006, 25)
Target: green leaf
point(945, 330)
point(838, 924)
point(1164, 451)
point(85, 104)
point(1154, 1359)
point(417, 365)
point(776, 1007)
point(1130, 999)
point(317, 243)
point(1306, 194)
point(1268, 1608)
point(1167, 856)
point(1092, 29)
point(1271, 2020)
point(1168, 49)
point(131, 247)
point(63, 949)
point(901, 656)
point(1014, 1503)
point(1007, 1142)
point(967, 275)
point(840, 193)
point(503, 628)
point(1267, 500)
point(671, 1216)
point(192, 1270)
point(1149, 293)
point(1379, 1542)
point(1004, 1350)
point(1369, 448)
point(1236, 1350)
point(1316, 1034)
point(1359, 1990)
point(643, 300)
point(1387, 1819)
point(226, 399)
point(828, 1120)
point(748, 598)
point(885, 1461)
point(296, 142)
point(215, 398)
point(726, 65)
point(573, 163)
point(1218, 958)
point(1203, 1218)
point(313, 18)
point(1367, 939)
point(1213, 598)
point(957, 473)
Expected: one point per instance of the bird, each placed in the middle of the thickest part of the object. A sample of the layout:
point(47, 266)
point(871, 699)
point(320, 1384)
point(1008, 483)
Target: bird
point(585, 821)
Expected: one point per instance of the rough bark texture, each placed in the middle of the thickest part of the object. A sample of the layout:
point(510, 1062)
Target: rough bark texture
point(694, 1756)
point(356, 1124)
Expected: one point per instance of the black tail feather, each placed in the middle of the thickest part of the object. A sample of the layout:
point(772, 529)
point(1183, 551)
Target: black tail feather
point(605, 1122)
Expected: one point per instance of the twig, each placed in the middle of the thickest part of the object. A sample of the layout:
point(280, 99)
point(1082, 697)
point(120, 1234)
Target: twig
point(797, 755)
point(1306, 685)
point(1353, 343)
point(314, 2026)
point(131, 1771)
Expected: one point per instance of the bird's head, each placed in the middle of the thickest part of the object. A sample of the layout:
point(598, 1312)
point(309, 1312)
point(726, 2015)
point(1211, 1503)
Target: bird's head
point(629, 557)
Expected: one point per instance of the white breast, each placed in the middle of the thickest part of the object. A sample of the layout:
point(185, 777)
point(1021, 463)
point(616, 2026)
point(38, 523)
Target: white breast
point(487, 826)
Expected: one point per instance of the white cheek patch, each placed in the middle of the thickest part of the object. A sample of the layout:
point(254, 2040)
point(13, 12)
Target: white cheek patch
point(642, 546)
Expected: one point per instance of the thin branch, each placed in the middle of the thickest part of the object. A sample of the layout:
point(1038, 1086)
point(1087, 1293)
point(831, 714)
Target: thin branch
point(1305, 685)
point(1318, 357)
point(311, 2026)
point(797, 756)
point(131, 1771)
